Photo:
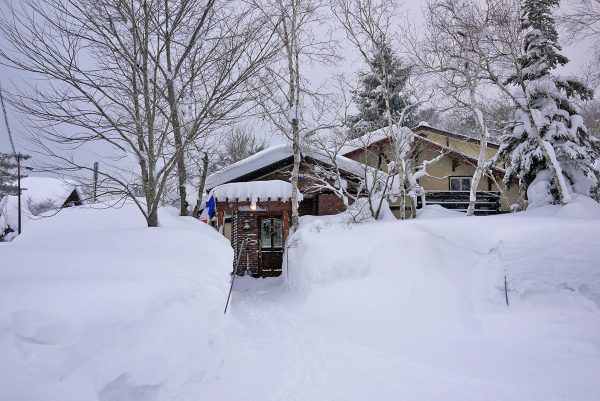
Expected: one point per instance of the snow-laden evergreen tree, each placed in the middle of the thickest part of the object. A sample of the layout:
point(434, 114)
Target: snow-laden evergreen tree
point(8, 175)
point(370, 99)
point(550, 135)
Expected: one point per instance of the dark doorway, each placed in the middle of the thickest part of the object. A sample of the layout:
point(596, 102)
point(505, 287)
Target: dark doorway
point(271, 246)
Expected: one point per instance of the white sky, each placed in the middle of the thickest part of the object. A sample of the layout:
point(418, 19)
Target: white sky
point(578, 54)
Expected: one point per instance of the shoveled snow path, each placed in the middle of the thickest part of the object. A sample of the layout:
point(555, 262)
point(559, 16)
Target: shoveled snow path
point(271, 354)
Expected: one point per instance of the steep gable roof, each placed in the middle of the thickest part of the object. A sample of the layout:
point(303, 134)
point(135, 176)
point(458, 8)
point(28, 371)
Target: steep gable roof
point(275, 157)
point(380, 135)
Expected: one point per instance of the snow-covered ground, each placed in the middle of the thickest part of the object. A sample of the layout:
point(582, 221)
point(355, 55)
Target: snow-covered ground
point(94, 306)
point(411, 310)
point(416, 311)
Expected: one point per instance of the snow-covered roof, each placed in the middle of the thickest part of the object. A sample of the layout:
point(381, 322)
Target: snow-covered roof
point(276, 154)
point(245, 166)
point(365, 140)
point(370, 138)
point(42, 188)
point(35, 190)
point(254, 191)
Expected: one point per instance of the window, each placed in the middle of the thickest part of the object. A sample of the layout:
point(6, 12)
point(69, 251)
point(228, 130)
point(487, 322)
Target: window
point(271, 233)
point(460, 183)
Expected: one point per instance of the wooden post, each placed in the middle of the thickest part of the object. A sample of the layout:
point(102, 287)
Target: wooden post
point(95, 193)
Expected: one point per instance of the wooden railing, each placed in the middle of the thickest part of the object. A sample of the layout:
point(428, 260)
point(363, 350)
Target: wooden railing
point(488, 202)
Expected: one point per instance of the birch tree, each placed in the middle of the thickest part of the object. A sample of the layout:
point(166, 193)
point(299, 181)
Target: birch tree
point(453, 51)
point(368, 26)
point(285, 92)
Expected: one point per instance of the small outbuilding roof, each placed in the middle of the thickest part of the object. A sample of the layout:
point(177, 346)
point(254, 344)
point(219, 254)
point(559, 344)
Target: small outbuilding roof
point(55, 192)
point(42, 188)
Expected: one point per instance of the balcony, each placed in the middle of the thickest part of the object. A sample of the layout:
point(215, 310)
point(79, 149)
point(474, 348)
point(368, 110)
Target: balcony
point(488, 202)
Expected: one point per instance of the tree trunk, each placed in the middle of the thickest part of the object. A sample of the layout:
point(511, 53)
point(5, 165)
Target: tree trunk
point(295, 171)
point(152, 217)
point(480, 169)
point(175, 122)
point(181, 171)
point(201, 186)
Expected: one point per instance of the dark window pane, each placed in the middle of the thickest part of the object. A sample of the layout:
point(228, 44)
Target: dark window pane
point(466, 184)
point(265, 233)
point(455, 184)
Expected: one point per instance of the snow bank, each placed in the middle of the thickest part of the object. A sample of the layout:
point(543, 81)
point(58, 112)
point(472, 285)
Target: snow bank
point(255, 191)
point(96, 306)
point(430, 292)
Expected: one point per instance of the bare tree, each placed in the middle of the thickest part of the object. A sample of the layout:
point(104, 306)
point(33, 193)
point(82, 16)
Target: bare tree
point(141, 80)
point(213, 49)
point(591, 117)
point(582, 21)
point(240, 142)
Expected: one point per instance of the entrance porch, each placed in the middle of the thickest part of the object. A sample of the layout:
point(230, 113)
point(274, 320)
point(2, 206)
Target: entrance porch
point(256, 217)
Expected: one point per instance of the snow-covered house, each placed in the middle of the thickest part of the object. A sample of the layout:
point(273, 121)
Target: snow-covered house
point(253, 196)
point(253, 202)
point(449, 179)
point(39, 195)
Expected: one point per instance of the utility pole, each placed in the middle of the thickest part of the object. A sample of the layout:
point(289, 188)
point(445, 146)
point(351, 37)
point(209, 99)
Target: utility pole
point(17, 158)
point(95, 193)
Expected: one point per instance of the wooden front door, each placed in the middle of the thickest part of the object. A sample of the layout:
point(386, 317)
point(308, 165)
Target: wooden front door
point(271, 246)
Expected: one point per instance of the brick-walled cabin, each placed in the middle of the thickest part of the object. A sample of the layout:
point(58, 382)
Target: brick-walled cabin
point(253, 207)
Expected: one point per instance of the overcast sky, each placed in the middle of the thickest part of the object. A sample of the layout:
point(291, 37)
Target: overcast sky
point(412, 10)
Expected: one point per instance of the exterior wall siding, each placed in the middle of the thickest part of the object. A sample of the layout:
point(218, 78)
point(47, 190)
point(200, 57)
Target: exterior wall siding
point(329, 204)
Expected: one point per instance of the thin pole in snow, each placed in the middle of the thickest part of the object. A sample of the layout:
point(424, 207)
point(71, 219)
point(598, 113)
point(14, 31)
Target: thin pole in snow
point(505, 290)
point(234, 273)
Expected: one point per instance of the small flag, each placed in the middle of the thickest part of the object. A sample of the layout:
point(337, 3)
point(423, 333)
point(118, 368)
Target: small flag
point(210, 205)
point(209, 211)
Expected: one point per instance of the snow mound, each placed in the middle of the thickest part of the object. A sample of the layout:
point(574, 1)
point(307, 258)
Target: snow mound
point(437, 212)
point(580, 207)
point(96, 306)
point(431, 292)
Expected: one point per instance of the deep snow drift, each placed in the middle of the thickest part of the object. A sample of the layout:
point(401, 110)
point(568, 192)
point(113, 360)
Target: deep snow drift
point(95, 306)
point(416, 310)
